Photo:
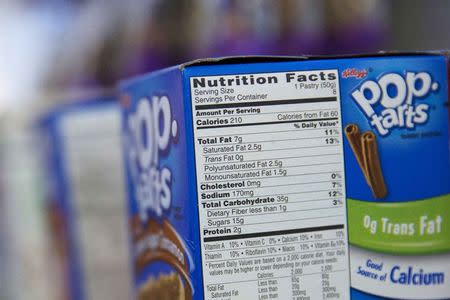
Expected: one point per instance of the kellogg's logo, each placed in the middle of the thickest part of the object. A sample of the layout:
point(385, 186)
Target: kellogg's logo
point(390, 101)
point(150, 131)
point(353, 72)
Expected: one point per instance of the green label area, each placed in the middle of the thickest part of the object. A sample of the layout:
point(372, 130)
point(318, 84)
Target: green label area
point(403, 228)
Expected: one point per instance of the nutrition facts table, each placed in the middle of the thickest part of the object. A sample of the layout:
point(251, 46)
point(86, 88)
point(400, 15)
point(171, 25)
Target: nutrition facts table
point(271, 188)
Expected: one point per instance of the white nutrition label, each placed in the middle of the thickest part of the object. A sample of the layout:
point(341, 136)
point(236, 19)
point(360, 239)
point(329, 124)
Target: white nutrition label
point(271, 186)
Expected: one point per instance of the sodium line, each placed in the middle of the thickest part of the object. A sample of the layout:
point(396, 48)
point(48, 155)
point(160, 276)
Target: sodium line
point(269, 195)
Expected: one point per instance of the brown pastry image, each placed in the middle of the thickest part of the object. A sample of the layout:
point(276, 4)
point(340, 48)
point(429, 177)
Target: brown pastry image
point(165, 287)
point(365, 149)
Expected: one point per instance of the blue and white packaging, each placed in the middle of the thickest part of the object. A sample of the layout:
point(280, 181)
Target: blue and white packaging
point(86, 214)
point(290, 178)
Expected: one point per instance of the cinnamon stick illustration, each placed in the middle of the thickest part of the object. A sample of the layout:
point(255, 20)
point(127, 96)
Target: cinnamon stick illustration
point(372, 164)
point(365, 149)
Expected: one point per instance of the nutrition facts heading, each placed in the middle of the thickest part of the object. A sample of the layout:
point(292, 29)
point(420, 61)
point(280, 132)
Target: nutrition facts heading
point(254, 79)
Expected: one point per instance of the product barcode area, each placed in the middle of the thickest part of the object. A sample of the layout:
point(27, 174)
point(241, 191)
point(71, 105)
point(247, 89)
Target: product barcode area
point(271, 194)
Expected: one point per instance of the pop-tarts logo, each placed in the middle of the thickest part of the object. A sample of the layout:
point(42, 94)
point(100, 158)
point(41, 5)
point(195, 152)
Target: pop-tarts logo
point(395, 101)
point(151, 132)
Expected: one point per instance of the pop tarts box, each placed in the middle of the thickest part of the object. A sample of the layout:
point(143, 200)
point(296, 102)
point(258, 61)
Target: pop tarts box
point(290, 178)
point(86, 215)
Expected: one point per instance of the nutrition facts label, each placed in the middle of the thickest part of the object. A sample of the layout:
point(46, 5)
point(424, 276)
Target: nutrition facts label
point(271, 188)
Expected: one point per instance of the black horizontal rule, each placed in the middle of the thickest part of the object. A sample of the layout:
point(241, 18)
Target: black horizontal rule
point(271, 233)
point(264, 103)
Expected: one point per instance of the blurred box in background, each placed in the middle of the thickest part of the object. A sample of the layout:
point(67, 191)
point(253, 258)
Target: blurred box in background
point(230, 27)
point(84, 203)
point(23, 238)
